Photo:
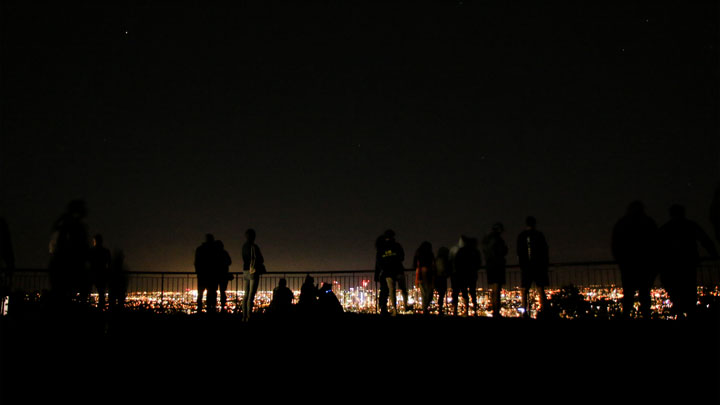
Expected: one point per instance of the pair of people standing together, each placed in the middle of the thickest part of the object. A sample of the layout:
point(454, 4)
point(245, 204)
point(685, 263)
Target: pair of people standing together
point(212, 266)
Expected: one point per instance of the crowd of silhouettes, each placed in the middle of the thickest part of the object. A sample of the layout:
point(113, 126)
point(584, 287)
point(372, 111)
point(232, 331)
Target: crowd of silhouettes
point(642, 250)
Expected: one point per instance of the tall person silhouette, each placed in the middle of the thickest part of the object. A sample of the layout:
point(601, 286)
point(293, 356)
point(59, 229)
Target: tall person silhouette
point(389, 268)
point(69, 252)
point(204, 262)
point(495, 250)
point(533, 255)
point(679, 239)
point(467, 264)
point(253, 268)
point(634, 246)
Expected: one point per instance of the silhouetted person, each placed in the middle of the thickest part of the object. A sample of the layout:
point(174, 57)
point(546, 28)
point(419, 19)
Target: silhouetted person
point(467, 263)
point(715, 212)
point(253, 267)
point(117, 281)
point(389, 267)
point(442, 272)
point(424, 262)
point(205, 260)
point(222, 272)
point(495, 250)
point(7, 263)
point(69, 249)
point(533, 255)
point(328, 303)
point(380, 274)
point(281, 303)
point(634, 247)
point(308, 296)
point(99, 259)
point(455, 279)
point(680, 257)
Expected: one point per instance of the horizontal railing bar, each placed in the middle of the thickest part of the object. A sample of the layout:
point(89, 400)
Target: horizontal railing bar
point(300, 272)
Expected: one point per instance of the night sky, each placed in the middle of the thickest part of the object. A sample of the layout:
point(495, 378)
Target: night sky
point(324, 124)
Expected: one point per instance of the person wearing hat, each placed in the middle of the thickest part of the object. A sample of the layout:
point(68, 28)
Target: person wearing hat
point(495, 250)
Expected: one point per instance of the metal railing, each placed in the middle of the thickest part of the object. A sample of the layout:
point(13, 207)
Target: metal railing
point(356, 290)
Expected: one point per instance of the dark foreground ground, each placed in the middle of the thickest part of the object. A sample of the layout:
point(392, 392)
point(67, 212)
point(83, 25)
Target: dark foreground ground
point(92, 357)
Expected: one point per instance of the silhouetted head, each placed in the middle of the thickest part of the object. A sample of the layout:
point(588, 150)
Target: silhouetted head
point(97, 240)
point(250, 235)
point(677, 211)
point(209, 238)
point(636, 208)
point(471, 242)
point(426, 247)
point(443, 252)
point(326, 287)
point(220, 244)
point(309, 279)
point(282, 283)
point(389, 234)
point(498, 227)
point(531, 222)
point(77, 209)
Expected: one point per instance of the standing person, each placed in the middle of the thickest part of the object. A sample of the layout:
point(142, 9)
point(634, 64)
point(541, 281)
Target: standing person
point(389, 267)
point(495, 250)
point(533, 255)
point(679, 239)
point(380, 277)
point(69, 249)
point(204, 262)
point(425, 274)
point(253, 267)
point(99, 259)
point(634, 240)
point(222, 275)
point(442, 272)
point(467, 264)
point(455, 280)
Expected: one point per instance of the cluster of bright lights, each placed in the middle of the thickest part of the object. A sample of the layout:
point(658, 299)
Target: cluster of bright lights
point(602, 302)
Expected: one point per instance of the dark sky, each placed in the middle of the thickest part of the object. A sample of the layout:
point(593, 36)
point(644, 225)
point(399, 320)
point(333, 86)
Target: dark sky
point(322, 125)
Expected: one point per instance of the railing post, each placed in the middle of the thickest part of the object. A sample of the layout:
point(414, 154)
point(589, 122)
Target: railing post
point(162, 290)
